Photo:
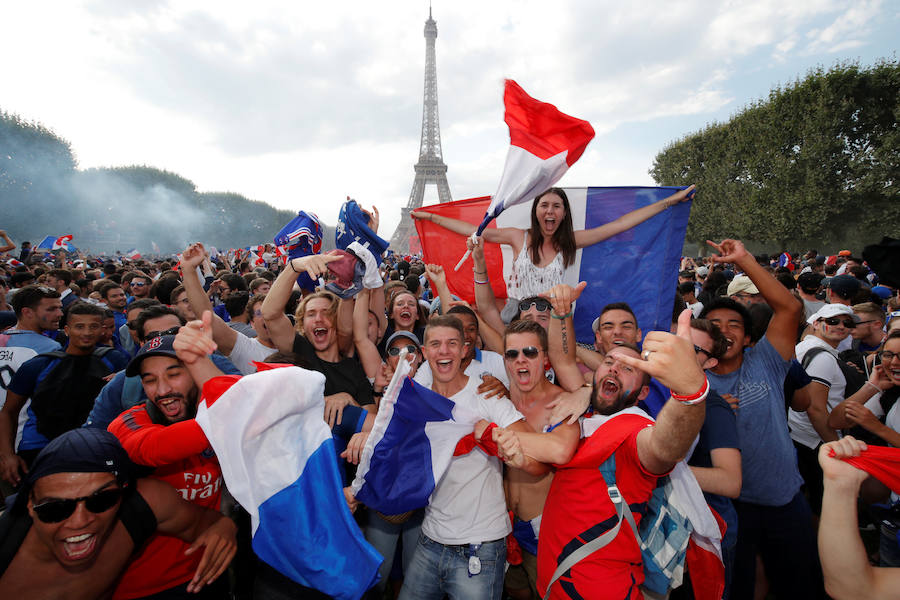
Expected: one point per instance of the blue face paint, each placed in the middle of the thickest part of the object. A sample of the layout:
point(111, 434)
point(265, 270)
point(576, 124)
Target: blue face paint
point(627, 394)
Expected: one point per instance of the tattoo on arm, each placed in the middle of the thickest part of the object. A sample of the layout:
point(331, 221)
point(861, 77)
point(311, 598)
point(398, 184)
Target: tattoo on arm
point(565, 338)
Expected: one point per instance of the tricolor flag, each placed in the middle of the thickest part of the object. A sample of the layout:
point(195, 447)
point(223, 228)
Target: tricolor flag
point(410, 446)
point(785, 260)
point(53, 243)
point(638, 266)
point(302, 236)
point(544, 143)
point(353, 226)
point(14, 263)
point(133, 254)
point(278, 460)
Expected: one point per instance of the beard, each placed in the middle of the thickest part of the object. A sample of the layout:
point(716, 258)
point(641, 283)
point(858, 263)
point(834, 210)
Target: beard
point(621, 402)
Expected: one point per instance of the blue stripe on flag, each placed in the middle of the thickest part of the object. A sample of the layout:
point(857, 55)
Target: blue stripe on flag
point(639, 266)
point(299, 518)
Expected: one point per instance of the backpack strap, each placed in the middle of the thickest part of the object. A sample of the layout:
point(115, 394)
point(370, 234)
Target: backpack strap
point(623, 513)
point(138, 518)
point(811, 354)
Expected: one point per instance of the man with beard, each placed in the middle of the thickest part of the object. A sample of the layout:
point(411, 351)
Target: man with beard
point(162, 434)
point(114, 297)
point(619, 437)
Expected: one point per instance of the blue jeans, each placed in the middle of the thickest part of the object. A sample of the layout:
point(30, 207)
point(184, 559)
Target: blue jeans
point(437, 570)
point(383, 536)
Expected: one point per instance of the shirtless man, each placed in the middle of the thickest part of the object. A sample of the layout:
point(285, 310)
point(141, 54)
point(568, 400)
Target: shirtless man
point(80, 516)
point(525, 356)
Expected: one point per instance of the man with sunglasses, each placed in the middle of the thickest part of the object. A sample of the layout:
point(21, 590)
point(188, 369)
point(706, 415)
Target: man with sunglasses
point(140, 287)
point(81, 514)
point(831, 325)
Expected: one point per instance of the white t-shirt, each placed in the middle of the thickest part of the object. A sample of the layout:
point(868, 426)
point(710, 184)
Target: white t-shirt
point(823, 369)
point(485, 361)
point(246, 350)
point(468, 505)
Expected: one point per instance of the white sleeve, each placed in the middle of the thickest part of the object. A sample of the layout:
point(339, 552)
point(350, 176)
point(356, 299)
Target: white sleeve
point(874, 404)
point(499, 410)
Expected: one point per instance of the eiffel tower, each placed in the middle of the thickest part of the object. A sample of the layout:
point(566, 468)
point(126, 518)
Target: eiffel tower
point(430, 168)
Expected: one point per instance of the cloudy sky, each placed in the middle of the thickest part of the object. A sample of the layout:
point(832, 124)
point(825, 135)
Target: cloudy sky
point(300, 104)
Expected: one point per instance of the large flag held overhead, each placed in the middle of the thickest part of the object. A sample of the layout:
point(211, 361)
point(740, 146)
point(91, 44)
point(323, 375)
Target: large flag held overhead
point(410, 446)
point(638, 266)
point(54, 243)
point(279, 462)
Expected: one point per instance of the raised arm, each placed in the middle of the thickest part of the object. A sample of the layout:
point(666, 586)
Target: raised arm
point(782, 330)
point(672, 361)
point(365, 349)
point(845, 563)
point(345, 325)
point(9, 245)
point(439, 285)
point(224, 336)
point(504, 235)
point(587, 237)
point(485, 302)
point(561, 334)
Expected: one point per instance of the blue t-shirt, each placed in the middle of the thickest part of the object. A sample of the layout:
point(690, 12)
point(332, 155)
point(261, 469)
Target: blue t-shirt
point(719, 431)
point(768, 458)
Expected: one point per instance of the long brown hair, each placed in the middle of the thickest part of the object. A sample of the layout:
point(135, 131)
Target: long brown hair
point(564, 236)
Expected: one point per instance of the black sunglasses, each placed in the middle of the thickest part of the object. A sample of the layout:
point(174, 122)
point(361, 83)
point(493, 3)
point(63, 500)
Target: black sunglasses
point(528, 351)
point(538, 303)
point(395, 351)
point(54, 511)
point(698, 350)
point(848, 323)
point(156, 334)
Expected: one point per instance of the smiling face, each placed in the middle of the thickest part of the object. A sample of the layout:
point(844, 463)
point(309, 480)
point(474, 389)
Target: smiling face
point(169, 387)
point(834, 333)
point(731, 324)
point(892, 367)
point(84, 331)
point(443, 351)
point(470, 329)
point(525, 373)
point(116, 299)
point(318, 324)
point(414, 355)
point(75, 541)
point(404, 311)
point(616, 327)
point(549, 212)
point(617, 385)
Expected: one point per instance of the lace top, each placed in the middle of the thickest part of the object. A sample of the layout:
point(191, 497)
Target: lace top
point(527, 279)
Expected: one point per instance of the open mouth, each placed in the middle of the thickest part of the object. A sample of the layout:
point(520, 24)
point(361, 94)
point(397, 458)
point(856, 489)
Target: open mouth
point(320, 333)
point(444, 366)
point(171, 407)
point(77, 547)
point(609, 387)
point(523, 376)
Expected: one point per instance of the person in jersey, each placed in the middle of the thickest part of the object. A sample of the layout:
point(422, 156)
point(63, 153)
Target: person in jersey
point(162, 434)
point(622, 438)
point(82, 514)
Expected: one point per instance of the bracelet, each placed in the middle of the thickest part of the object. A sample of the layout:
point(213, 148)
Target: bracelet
point(483, 282)
point(694, 398)
point(565, 316)
point(874, 386)
point(291, 262)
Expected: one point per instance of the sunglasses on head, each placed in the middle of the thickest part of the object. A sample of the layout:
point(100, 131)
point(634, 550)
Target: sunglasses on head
point(156, 334)
point(539, 303)
point(54, 511)
point(848, 323)
point(528, 351)
point(395, 351)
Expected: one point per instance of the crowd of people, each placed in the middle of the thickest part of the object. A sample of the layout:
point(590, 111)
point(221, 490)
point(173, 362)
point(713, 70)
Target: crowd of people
point(774, 371)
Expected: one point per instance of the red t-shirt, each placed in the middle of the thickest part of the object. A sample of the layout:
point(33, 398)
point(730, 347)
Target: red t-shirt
point(183, 458)
point(578, 501)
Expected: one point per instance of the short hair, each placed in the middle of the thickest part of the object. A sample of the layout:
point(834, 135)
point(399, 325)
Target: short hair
point(252, 303)
point(686, 274)
point(81, 307)
point(412, 283)
point(142, 304)
point(107, 287)
point(109, 268)
point(154, 312)
point(724, 302)
point(30, 296)
point(686, 287)
point(234, 281)
point(634, 348)
point(236, 303)
point(461, 309)
point(619, 306)
point(870, 308)
point(176, 292)
point(526, 326)
point(162, 288)
point(333, 300)
point(63, 275)
point(444, 321)
point(720, 342)
point(256, 283)
point(787, 280)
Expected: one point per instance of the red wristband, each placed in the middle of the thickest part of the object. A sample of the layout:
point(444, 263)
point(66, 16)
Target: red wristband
point(694, 398)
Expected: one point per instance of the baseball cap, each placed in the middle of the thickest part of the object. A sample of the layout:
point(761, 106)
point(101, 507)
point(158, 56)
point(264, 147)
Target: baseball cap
point(403, 334)
point(844, 285)
point(741, 285)
point(832, 310)
point(882, 292)
point(158, 346)
point(809, 282)
point(703, 271)
point(845, 253)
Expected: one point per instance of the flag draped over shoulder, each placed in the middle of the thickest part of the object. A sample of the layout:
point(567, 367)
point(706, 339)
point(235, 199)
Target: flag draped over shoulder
point(544, 143)
point(279, 462)
point(410, 446)
point(639, 265)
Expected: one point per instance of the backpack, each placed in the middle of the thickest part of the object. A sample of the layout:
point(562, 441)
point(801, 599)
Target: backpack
point(853, 378)
point(64, 394)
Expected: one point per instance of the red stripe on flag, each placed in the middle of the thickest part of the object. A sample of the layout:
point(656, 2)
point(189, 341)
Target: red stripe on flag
point(541, 129)
point(443, 247)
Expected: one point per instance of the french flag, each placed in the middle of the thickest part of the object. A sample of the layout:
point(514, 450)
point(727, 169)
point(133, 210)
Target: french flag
point(785, 260)
point(133, 254)
point(410, 446)
point(638, 266)
point(278, 460)
point(53, 243)
point(14, 263)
